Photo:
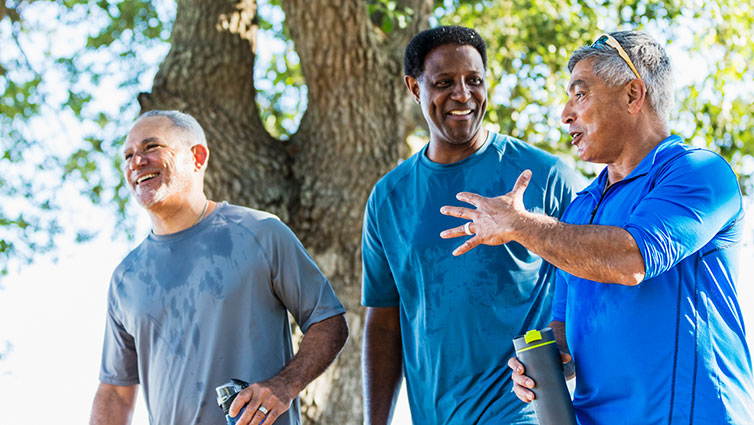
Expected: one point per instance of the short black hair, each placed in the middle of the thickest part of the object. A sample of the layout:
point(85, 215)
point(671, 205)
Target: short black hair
point(419, 46)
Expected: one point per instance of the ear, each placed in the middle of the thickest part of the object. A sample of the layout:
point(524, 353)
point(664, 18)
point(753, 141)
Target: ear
point(413, 86)
point(200, 154)
point(637, 95)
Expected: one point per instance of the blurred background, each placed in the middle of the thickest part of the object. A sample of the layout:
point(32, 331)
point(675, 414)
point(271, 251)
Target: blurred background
point(74, 74)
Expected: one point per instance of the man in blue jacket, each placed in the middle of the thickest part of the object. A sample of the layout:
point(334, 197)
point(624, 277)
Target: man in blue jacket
point(646, 297)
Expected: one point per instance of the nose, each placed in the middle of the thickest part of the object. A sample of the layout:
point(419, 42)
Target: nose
point(461, 92)
point(137, 160)
point(567, 116)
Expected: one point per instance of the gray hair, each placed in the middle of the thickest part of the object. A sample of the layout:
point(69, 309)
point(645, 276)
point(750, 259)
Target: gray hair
point(184, 121)
point(649, 58)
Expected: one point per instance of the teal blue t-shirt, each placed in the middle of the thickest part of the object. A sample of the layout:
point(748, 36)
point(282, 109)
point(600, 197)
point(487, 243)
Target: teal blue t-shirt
point(459, 314)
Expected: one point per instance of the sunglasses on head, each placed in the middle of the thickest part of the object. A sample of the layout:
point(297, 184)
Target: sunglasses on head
point(610, 41)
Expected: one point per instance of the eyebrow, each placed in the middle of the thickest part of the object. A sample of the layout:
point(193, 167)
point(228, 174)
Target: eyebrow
point(143, 142)
point(446, 74)
point(577, 83)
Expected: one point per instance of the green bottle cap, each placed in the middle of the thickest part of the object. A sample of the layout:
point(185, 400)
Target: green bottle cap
point(532, 335)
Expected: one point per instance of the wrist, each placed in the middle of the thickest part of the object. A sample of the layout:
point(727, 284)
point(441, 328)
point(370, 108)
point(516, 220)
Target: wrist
point(521, 225)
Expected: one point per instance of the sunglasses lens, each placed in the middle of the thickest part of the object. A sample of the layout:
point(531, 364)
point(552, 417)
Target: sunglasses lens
point(600, 41)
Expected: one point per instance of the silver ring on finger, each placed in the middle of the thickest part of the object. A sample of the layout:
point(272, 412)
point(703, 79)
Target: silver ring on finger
point(467, 229)
point(263, 410)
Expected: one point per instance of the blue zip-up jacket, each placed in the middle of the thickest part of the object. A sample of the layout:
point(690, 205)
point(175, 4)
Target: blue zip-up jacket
point(671, 350)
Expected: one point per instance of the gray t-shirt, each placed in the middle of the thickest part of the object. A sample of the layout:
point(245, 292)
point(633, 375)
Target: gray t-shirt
point(190, 310)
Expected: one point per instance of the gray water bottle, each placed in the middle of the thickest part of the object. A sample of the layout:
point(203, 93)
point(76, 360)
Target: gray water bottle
point(538, 352)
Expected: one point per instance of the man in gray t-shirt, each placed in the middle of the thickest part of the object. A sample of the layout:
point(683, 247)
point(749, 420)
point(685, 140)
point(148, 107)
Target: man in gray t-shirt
point(205, 297)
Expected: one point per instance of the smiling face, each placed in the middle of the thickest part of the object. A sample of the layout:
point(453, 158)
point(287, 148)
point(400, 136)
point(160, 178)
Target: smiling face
point(596, 116)
point(158, 164)
point(453, 94)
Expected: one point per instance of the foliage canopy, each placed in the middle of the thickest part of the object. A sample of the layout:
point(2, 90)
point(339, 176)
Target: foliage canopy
point(70, 71)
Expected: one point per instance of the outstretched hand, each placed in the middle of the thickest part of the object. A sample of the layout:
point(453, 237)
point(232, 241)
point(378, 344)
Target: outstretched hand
point(493, 220)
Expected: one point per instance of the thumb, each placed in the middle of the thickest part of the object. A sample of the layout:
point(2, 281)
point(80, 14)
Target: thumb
point(521, 183)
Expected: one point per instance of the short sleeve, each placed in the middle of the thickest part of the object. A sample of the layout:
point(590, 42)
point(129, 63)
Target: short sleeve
point(378, 284)
point(694, 197)
point(119, 358)
point(561, 295)
point(296, 279)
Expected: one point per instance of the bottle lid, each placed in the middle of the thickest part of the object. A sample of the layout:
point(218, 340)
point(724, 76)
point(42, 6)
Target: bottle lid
point(532, 335)
point(227, 392)
point(533, 339)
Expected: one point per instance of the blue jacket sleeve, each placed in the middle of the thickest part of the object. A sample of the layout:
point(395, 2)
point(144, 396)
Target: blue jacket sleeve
point(694, 196)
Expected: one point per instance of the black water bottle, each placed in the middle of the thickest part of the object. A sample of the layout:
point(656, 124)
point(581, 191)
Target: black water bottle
point(538, 352)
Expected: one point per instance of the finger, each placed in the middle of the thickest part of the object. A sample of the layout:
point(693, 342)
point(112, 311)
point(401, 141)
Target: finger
point(523, 394)
point(565, 357)
point(459, 212)
point(258, 418)
point(466, 246)
point(520, 379)
point(470, 198)
point(239, 402)
point(516, 365)
point(272, 416)
point(251, 407)
point(248, 416)
point(521, 182)
point(454, 232)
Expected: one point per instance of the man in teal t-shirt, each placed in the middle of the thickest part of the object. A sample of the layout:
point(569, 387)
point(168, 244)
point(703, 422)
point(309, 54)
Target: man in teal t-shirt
point(446, 322)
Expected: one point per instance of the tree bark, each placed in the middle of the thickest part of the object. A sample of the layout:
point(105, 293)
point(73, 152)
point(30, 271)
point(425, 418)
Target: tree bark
point(350, 135)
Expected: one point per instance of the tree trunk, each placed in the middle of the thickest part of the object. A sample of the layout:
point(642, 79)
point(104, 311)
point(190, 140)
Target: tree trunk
point(350, 135)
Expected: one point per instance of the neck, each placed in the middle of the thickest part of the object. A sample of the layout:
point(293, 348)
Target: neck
point(645, 137)
point(448, 153)
point(173, 218)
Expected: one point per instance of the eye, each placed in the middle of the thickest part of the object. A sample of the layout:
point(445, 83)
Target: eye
point(128, 156)
point(442, 84)
point(475, 81)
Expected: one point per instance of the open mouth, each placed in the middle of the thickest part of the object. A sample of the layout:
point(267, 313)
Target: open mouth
point(576, 136)
point(460, 112)
point(145, 177)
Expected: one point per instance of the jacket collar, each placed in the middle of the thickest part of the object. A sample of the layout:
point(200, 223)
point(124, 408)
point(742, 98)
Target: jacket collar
point(597, 186)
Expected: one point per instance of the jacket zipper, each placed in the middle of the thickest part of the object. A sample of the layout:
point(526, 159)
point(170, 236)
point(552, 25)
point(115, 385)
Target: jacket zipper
point(604, 193)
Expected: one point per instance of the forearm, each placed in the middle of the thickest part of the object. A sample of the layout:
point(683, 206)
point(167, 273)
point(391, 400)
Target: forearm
point(319, 347)
point(382, 365)
point(113, 404)
point(606, 254)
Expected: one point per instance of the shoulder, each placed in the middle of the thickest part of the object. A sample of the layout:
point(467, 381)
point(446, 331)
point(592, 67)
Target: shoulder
point(394, 179)
point(526, 155)
point(244, 219)
point(545, 166)
point(696, 163)
point(128, 262)
point(236, 213)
